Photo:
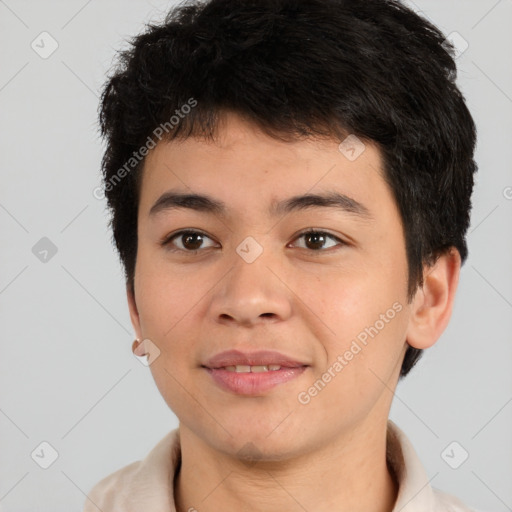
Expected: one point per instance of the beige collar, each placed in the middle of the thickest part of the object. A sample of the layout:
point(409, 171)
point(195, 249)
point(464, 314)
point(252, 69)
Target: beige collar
point(148, 484)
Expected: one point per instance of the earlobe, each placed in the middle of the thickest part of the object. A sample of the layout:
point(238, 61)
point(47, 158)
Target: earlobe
point(134, 312)
point(433, 303)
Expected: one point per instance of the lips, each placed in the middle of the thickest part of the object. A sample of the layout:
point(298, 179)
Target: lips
point(260, 358)
point(242, 368)
point(252, 373)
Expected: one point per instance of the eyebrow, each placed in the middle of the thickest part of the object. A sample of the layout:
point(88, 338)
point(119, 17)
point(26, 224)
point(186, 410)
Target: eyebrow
point(173, 200)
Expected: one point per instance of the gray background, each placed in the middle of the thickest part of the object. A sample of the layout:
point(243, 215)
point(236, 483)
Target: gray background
point(67, 373)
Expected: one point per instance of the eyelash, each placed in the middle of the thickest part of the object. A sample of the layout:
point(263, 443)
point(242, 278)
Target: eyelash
point(310, 231)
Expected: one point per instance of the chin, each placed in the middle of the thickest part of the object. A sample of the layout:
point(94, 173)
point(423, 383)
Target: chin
point(260, 441)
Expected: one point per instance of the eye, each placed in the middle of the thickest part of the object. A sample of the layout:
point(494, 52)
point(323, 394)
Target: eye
point(315, 240)
point(193, 241)
point(187, 240)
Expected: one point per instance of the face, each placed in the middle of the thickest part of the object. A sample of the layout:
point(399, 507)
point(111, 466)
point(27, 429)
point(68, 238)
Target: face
point(234, 270)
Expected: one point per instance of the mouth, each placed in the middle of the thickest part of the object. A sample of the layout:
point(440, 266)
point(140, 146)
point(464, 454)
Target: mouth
point(242, 368)
point(245, 373)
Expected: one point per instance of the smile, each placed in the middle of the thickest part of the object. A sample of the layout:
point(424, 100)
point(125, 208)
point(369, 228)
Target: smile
point(241, 368)
point(252, 373)
point(253, 380)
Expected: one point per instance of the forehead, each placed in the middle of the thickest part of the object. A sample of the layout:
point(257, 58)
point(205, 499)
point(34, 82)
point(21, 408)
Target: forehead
point(244, 167)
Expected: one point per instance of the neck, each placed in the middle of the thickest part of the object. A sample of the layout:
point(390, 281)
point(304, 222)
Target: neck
point(349, 473)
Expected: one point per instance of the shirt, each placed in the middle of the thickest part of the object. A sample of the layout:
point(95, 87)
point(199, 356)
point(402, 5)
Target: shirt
point(147, 485)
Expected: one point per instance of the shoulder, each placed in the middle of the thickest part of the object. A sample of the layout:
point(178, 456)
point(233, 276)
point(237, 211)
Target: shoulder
point(445, 502)
point(109, 491)
point(415, 492)
point(144, 484)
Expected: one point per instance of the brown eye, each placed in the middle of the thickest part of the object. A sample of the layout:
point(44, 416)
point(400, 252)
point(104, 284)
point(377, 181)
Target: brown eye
point(316, 240)
point(189, 241)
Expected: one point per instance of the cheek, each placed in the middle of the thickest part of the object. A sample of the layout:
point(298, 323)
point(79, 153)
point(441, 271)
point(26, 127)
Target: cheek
point(367, 318)
point(165, 314)
point(363, 355)
point(166, 297)
point(168, 300)
point(350, 303)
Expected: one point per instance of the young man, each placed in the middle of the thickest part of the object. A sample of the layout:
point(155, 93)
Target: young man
point(290, 188)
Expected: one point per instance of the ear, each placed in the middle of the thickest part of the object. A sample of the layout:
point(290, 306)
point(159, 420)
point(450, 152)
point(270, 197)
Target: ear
point(432, 305)
point(134, 312)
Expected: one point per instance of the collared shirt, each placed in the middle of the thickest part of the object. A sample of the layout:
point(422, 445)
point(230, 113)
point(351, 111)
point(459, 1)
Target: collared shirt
point(147, 485)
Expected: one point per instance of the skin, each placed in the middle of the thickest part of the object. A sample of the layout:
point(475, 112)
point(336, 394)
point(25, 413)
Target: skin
point(305, 299)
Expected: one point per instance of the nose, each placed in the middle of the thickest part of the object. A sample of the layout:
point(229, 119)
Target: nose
point(252, 293)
